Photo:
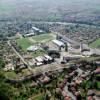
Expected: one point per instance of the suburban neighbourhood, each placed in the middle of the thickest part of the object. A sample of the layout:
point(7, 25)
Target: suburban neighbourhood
point(52, 58)
point(49, 50)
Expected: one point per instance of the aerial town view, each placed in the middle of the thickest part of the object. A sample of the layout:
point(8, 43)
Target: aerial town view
point(49, 49)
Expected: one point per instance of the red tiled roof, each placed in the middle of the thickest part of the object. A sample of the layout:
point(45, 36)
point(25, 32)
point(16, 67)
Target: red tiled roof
point(97, 70)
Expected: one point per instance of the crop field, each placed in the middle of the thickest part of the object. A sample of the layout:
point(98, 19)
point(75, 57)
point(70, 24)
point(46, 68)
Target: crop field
point(95, 44)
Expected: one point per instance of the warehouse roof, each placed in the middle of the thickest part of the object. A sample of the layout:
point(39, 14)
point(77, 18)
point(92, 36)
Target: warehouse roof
point(57, 42)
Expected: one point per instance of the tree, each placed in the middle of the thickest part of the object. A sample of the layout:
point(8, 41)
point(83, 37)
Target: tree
point(2, 64)
point(66, 48)
point(6, 90)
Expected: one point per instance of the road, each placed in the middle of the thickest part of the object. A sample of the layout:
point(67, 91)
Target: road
point(20, 56)
point(66, 87)
point(69, 93)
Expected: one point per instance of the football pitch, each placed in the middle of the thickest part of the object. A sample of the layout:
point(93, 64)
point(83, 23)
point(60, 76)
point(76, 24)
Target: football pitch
point(26, 42)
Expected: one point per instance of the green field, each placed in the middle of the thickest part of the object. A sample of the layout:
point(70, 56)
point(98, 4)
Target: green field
point(11, 75)
point(42, 38)
point(5, 8)
point(24, 43)
point(95, 44)
point(38, 53)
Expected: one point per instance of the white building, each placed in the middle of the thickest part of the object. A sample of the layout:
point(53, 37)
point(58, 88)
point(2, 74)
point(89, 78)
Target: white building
point(37, 29)
point(47, 57)
point(32, 48)
point(30, 34)
point(58, 43)
point(39, 59)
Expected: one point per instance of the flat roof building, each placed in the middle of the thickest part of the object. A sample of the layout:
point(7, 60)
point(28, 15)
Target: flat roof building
point(47, 57)
point(39, 59)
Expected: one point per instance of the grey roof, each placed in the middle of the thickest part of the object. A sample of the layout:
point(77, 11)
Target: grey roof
point(84, 47)
point(66, 39)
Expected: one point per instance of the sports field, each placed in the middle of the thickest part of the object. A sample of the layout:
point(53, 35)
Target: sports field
point(26, 42)
point(95, 44)
point(42, 38)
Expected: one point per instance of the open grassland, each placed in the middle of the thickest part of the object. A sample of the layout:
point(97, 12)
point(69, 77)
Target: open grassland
point(95, 44)
point(11, 75)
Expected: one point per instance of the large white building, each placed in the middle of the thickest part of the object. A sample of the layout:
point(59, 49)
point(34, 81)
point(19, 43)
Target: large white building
point(30, 34)
point(58, 43)
point(37, 29)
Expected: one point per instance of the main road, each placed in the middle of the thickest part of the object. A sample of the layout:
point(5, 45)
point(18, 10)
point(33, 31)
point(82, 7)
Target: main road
point(17, 53)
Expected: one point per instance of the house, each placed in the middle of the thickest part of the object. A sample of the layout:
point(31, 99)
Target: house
point(84, 47)
point(43, 60)
point(9, 67)
point(39, 59)
point(79, 80)
point(48, 57)
point(97, 71)
point(67, 98)
point(70, 58)
point(46, 80)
